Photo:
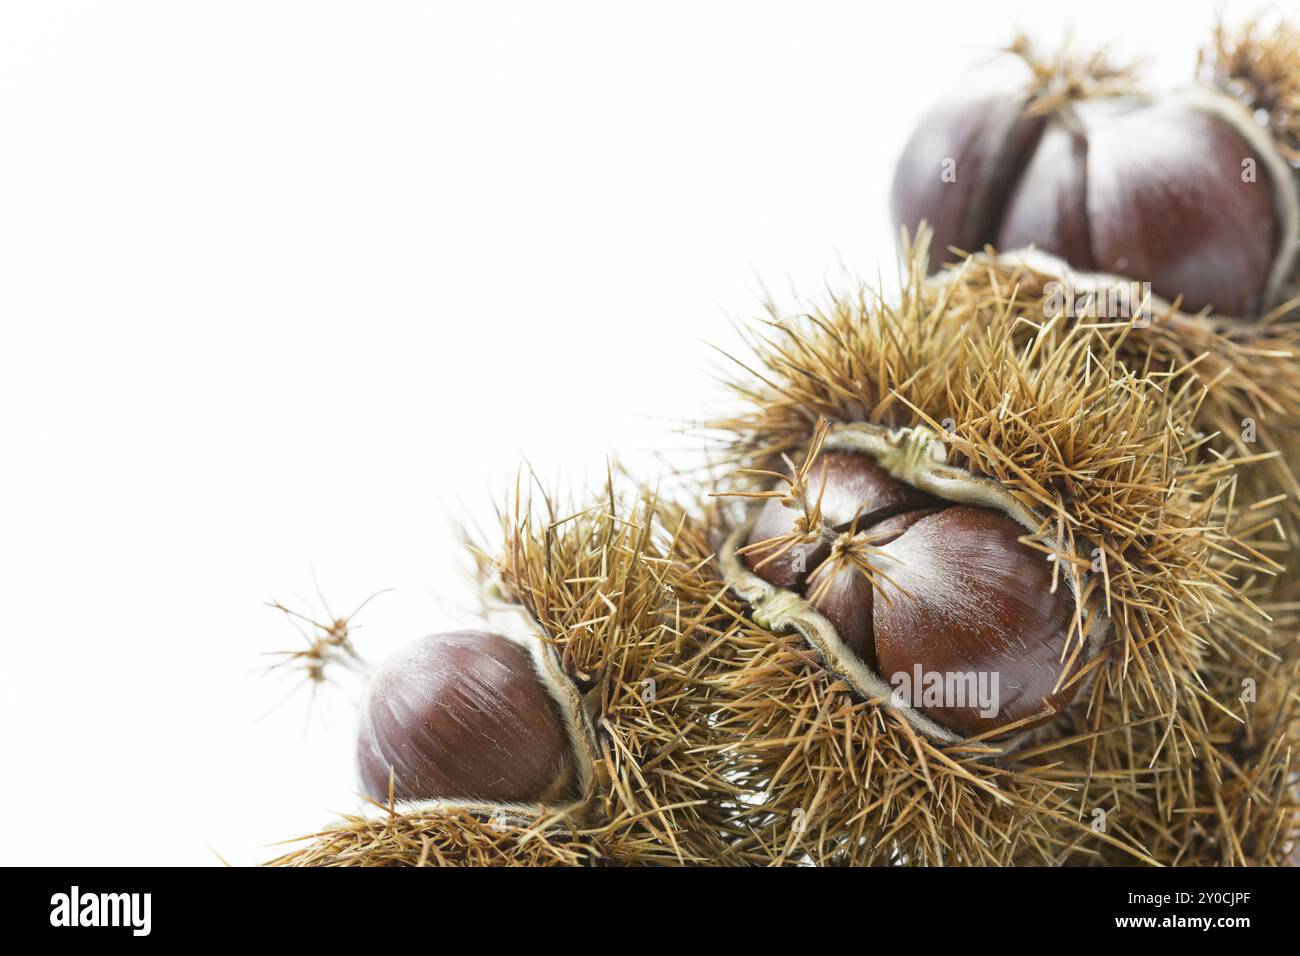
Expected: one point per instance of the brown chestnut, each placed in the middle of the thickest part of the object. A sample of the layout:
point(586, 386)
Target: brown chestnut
point(958, 595)
point(960, 162)
point(1048, 206)
point(1170, 202)
point(842, 588)
point(1180, 192)
point(462, 715)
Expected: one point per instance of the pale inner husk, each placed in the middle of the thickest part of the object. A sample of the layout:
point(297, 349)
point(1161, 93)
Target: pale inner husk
point(917, 457)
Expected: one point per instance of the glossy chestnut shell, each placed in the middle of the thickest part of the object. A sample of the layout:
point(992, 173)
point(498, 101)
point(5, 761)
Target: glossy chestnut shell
point(1165, 191)
point(462, 716)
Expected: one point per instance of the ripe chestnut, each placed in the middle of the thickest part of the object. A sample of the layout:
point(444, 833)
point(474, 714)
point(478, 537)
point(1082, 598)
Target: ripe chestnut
point(941, 600)
point(1184, 191)
point(465, 716)
point(958, 594)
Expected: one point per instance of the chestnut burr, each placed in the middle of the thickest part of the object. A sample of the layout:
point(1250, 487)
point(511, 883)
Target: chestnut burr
point(923, 591)
point(462, 715)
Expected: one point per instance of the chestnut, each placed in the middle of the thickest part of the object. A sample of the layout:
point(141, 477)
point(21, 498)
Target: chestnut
point(463, 715)
point(958, 594)
point(842, 588)
point(1184, 191)
point(940, 600)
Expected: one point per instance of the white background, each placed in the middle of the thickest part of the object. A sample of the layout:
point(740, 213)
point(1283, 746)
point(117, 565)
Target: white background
point(288, 286)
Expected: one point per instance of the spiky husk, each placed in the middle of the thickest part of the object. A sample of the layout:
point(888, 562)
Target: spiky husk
point(449, 838)
point(1250, 374)
point(832, 779)
point(1258, 64)
point(1251, 365)
point(596, 582)
point(1109, 452)
point(1216, 787)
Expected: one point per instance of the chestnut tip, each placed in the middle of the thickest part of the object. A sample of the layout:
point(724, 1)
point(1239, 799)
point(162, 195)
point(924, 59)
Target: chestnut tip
point(849, 490)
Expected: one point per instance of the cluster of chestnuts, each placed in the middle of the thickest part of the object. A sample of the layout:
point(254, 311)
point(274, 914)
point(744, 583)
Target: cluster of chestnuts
point(1186, 191)
point(891, 562)
point(912, 582)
